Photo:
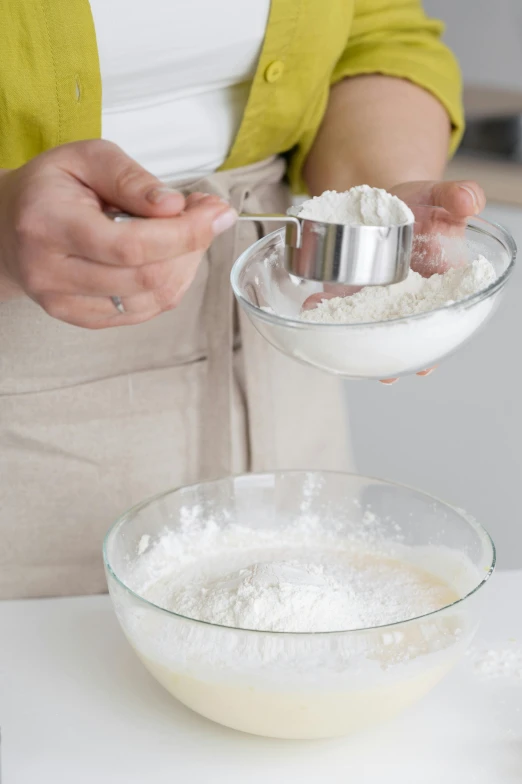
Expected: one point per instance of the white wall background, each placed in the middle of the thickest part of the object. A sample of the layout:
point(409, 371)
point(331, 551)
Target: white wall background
point(487, 37)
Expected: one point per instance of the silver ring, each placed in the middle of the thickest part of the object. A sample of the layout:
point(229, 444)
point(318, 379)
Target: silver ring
point(118, 304)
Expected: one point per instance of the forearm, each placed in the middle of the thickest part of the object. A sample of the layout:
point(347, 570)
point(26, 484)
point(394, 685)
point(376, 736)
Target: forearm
point(381, 131)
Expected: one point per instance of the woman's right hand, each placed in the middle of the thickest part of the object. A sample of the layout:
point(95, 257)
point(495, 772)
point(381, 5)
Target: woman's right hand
point(59, 248)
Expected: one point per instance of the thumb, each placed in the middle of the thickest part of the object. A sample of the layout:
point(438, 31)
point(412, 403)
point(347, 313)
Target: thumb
point(121, 182)
point(458, 198)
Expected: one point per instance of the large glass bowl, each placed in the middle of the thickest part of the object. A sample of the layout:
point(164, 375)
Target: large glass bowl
point(272, 300)
point(302, 685)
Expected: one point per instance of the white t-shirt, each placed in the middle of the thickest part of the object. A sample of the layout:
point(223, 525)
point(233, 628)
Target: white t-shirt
point(176, 76)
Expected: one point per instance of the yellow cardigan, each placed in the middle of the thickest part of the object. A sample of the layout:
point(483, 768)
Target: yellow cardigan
point(50, 85)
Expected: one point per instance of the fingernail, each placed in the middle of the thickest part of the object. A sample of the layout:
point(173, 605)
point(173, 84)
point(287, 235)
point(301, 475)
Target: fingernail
point(157, 195)
point(473, 195)
point(425, 373)
point(224, 222)
point(389, 381)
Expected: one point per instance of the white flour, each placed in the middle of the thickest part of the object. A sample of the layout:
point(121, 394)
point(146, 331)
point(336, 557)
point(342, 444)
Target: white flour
point(301, 596)
point(414, 295)
point(498, 663)
point(370, 350)
point(259, 583)
point(360, 206)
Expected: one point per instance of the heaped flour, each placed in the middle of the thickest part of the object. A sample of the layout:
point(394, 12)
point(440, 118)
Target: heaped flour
point(360, 206)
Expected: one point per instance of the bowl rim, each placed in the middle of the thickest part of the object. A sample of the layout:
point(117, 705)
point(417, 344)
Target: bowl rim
point(478, 528)
point(476, 224)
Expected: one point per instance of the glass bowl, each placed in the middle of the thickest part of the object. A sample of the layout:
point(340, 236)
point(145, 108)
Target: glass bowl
point(272, 299)
point(301, 685)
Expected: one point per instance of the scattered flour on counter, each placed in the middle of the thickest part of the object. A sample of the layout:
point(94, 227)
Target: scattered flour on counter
point(360, 206)
point(498, 663)
point(414, 295)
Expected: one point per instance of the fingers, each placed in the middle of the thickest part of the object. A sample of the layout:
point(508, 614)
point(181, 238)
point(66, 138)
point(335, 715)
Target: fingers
point(424, 373)
point(460, 198)
point(313, 300)
point(77, 276)
point(331, 291)
point(118, 180)
point(71, 258)
point(194, 198)
point(100, 312)
point(137, 242)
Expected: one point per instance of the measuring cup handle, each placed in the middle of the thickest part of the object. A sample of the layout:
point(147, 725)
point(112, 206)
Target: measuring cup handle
point(294, 240)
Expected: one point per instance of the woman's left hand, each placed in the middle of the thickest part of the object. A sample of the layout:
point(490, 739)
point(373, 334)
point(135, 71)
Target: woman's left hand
point(460, 199)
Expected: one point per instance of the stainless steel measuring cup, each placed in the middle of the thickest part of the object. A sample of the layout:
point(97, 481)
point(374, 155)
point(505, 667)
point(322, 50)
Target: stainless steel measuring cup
point(336, 253)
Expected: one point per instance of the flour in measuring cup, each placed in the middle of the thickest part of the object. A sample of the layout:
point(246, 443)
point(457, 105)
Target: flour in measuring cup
point(360, 206)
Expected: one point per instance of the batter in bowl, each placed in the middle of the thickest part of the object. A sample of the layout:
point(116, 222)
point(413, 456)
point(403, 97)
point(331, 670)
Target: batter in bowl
point(267, 641)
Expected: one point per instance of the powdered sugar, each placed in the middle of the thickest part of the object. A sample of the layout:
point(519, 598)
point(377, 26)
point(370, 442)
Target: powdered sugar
point(414, 295)
point(360, 206)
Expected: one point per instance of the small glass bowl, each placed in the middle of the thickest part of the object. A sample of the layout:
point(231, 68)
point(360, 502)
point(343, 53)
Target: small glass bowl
point(272, 299)
point(302, 685)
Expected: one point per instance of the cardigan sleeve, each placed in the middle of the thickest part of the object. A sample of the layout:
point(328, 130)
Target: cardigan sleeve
point(396, 38)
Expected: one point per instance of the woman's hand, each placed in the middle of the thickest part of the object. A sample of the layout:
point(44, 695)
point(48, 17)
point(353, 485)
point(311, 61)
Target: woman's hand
point(459, 199)
point(58, 247)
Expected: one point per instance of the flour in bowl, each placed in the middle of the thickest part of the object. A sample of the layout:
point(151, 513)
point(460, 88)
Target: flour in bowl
point(414, 295)
point(360, 206)
point(306, 596)
point(256, 580)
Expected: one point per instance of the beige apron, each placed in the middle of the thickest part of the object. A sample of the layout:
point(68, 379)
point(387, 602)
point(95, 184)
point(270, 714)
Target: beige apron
point(93, 421)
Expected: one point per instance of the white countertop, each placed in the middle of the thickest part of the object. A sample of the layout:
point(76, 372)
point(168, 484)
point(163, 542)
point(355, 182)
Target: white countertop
point(76, 707)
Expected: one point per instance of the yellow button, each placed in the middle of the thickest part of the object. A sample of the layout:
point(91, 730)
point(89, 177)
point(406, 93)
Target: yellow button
point(274, 71)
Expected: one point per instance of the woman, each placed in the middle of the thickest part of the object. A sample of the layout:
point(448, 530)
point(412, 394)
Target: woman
point(124, 368)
